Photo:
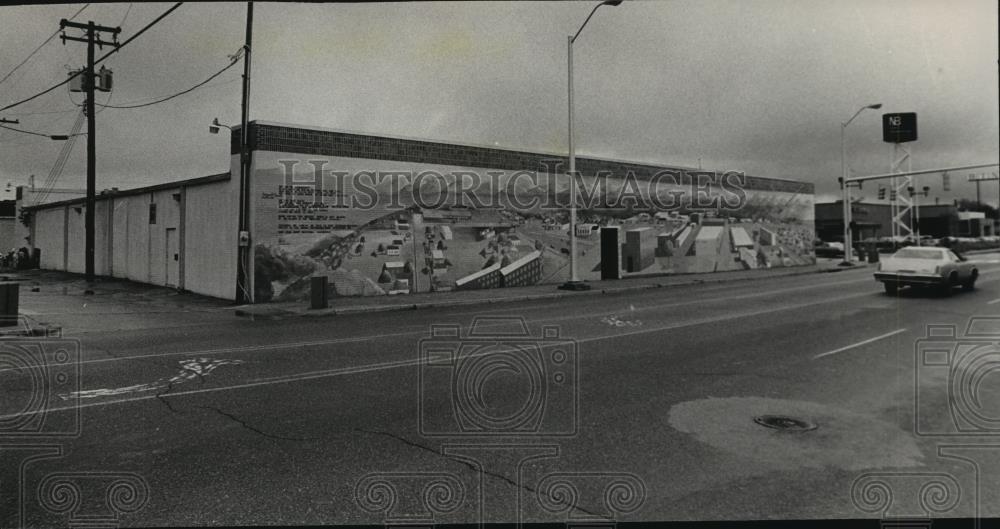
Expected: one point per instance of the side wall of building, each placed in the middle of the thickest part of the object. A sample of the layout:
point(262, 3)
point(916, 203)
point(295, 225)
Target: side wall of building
point(180, 236)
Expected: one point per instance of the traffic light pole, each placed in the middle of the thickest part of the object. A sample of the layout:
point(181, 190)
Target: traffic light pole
point(89, 82)
point(920, 172)
point(893, 176)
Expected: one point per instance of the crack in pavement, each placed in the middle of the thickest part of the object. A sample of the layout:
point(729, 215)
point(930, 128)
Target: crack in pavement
point(472, 467)
point(256, 430)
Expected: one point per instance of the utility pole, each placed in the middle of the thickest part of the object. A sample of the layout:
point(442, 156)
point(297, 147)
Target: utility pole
point(89, 82)
point(243, 294)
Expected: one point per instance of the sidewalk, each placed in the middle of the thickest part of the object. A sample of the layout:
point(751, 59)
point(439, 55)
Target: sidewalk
point(57, 302)
point(356, 305)
point(51, 302)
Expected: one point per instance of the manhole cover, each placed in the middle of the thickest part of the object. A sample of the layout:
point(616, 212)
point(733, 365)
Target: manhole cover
point(780, 422)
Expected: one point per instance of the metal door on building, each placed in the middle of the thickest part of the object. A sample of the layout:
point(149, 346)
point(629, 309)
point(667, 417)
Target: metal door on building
point(173, 258)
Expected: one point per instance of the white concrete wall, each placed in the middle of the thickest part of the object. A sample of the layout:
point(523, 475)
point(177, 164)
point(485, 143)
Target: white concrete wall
point(76, 233)
point(128, 246)
point(49, 236)
point(210, 254)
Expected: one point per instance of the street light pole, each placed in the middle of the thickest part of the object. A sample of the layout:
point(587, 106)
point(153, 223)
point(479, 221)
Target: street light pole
point(848, 249)
point(574, 282)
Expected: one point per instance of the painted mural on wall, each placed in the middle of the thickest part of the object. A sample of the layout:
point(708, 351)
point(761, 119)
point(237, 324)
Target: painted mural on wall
point(395, 232)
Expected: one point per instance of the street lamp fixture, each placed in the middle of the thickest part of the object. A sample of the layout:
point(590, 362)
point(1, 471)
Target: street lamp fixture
point(848, 243)
point(214, 127)
point(574, 282)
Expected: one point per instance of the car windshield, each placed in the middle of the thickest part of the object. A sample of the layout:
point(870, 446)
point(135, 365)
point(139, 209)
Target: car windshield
point(918, 253)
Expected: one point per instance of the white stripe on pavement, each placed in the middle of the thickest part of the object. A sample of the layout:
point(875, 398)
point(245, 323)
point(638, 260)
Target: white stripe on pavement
point(423, 329)
point(994, 302)
point(352, 370)
point(859, 344)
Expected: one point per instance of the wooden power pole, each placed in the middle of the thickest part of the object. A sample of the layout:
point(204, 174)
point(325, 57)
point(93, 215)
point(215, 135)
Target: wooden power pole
point(92, 38)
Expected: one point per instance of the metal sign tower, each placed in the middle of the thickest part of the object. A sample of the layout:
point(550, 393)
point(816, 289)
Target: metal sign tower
point(898, 129)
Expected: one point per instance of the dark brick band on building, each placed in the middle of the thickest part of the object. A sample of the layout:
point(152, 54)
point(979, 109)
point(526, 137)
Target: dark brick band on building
point(281, 138)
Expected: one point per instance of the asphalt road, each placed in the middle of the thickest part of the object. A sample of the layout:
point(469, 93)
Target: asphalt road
point(639, 406)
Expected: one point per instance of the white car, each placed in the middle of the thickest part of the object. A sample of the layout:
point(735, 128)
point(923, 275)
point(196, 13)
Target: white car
point(925, 266)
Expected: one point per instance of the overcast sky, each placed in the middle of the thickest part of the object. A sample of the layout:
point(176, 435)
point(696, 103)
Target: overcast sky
point(753, 85)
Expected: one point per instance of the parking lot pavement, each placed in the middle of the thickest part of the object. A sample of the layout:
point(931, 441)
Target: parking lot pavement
point(62, 300)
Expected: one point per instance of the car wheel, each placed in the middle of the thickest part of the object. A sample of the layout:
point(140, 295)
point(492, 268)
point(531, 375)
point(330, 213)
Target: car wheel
point(948, 286)
point(970, 284)
point(891, 288)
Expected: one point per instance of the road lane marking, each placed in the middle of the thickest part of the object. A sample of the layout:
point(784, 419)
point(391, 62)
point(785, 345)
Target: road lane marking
point(994, 302)
point(352, 370)
point(859, 344)
point(190, 369)
point(424, 329)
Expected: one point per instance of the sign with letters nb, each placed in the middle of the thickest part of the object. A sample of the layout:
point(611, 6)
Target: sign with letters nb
point(900, 127)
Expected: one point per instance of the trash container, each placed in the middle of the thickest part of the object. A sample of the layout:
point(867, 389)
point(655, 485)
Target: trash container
point(319, 293)
point(872, 253)
point(9, 298)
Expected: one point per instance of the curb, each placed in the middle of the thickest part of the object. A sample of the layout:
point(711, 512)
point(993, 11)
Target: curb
point(277, 313)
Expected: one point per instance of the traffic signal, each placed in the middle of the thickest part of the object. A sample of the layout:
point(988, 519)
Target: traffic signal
point(892, 195)
point(927, 190)
point(946, 182)
point(881, 193)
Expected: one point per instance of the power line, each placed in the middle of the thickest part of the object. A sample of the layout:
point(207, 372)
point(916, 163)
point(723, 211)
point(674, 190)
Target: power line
point(60, 164)
point(124, 18)
point(50, 136)
point(32, 54)
point(178, 94)
point(98, 61)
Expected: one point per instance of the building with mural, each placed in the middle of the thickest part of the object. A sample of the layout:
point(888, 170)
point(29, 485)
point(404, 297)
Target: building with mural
point(383, 215)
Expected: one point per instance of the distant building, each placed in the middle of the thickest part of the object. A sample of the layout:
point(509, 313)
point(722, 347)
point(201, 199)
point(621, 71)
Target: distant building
point(437, 258)
point(875, 220)
point(767, 237)
point(585, 229)
point(708, 241)
point(740, 238)
point(523, 272)
point(639, 250)
point(488, 277)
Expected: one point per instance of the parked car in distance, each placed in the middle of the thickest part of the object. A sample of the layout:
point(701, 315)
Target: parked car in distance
point(920, 266)
point(829, 249)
